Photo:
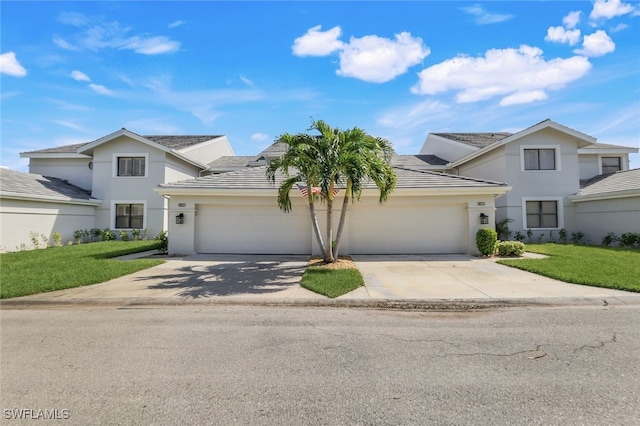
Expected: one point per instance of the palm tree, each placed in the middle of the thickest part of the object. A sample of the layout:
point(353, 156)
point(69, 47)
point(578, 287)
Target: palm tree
point(298, 164)
point(334, 158)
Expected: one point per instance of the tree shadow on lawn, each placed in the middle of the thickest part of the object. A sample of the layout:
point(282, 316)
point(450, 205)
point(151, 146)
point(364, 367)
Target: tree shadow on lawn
point(231, 278)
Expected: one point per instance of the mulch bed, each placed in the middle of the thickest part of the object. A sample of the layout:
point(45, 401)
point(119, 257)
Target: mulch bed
point(343, 262)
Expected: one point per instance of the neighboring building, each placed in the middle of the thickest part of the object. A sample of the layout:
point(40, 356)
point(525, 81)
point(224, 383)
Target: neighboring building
point(546, 164)
point(33, 206)
point(122, 168)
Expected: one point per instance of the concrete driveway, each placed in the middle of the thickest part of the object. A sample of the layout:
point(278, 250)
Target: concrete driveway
point(276, 279)
point(462, 277)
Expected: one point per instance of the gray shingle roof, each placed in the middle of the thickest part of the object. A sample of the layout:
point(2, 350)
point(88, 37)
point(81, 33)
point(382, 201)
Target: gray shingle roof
point(479, 140)
point(620, 181)
point(31, 184)
point(254, 178)
point(606, 146)
point(171, 142)
point(417, 160)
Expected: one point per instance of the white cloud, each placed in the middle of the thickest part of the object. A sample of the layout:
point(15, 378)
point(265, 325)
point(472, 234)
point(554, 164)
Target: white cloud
point(176, 24)
point(79, 76)
point(596, 44)
point(482, 17)
point(517, 75)
point(10, 65)
point(318, 43)
point(377, 60)
point(101, 90)
point(618, 28)
point(97, 34)
point(70, 125)
point(608, 9)
point(259, 137)
point(560, 35)
point(151, 46)
point(246, 81)
point(369, 58)
point(572, 19)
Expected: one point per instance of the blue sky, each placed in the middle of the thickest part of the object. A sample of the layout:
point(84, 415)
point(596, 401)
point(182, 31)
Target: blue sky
point(76, 71)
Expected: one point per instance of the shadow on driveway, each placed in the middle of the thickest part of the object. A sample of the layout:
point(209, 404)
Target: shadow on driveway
point(206, 276)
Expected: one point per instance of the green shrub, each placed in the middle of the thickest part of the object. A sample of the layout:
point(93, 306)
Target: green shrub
point(630, 239)
point(510, 248)
point(135, 234)
point(107, 235)
point(519, 236)
point(124, 235)
point(77, 235)
point(576, 237)
point(96, 234)
point(609, 239)
point(164, 241)
point(563, 236)
point(57, 239)
point(486, 241)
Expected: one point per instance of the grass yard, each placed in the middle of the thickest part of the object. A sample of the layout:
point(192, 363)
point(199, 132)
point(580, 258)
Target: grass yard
point(332, 280)
point(616, 268)
point(56, 268)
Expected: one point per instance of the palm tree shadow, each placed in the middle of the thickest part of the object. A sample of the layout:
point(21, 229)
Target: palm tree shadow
point(231, 278)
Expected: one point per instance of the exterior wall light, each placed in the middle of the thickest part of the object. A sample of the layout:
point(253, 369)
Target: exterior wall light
point(180, 219)
point(484, 219)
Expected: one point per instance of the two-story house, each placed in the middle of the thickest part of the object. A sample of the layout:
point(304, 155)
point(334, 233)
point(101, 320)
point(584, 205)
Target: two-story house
point(118, 172)
point(550, 168)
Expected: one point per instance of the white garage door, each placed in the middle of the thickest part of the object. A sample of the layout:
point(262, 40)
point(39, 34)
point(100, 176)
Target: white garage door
point(252, 229)
point(408, 228)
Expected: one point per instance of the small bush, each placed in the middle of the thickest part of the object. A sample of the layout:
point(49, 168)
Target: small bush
point(563, 236)
point(576, 237)
point(107, 235)
point(96, 234)
point(510, 248)
point(630, 240)
point(486, 240)
point(124, 235)
point(57, 239)
point(609, 239)
point(164, 241)
point(135, 234)
point(77, 235)
point(519, 236)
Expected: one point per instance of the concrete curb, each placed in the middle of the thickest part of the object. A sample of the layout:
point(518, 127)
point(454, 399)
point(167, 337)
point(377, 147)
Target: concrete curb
point(435, 304)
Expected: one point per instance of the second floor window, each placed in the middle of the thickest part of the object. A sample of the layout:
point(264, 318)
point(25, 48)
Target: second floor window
point(131, 166)
point(611, 165)
point(540, 159)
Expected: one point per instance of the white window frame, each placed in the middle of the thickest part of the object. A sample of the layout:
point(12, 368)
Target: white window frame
point(114, 204)
point(560, 212)
point(600, 157)
point(557, 158)
point(115, 162)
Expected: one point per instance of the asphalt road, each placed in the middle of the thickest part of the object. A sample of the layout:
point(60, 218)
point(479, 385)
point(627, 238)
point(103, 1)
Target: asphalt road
point(292, 366)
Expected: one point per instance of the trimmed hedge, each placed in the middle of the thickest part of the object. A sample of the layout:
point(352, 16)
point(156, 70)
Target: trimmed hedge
point(486, 241)
point(510, 248)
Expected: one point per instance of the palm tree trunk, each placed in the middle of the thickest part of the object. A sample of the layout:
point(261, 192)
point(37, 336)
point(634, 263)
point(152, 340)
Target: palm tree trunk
point(329, 252)
point(314, 222)
point(343, 215)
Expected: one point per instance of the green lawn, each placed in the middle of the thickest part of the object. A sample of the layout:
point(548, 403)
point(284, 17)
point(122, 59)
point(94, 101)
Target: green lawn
point(56, 268)
point(596, 266)
point(331, 282)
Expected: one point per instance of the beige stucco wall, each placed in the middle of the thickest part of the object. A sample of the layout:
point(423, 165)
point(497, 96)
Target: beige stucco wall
point(18, 218)
point(75, 170)
point(588, 166)
point(597, 218)
point(445, 148)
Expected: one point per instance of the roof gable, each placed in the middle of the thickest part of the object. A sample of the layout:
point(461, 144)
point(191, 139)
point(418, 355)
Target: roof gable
point(476, 140)
point(582, 138)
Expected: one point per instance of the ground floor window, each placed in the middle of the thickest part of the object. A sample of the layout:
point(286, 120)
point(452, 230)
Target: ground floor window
point(129, 216)
point(542, 214)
